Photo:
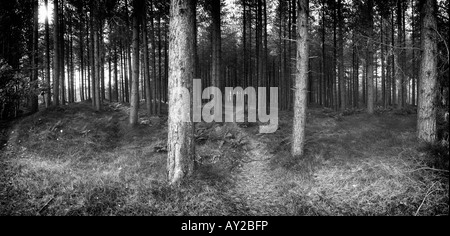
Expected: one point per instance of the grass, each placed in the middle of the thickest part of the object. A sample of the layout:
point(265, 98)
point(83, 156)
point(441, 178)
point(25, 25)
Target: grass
point(365, 165)
point(75, 161)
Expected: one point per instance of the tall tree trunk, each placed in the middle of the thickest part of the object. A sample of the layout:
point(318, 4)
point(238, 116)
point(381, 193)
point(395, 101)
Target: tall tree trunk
point(216, 43)
point(357, 82)
point(244, 41)
point(370, 61)
point(300, 101)
point(341, 75)
point(110, 89)
point(93, 66)
point(160, 75)
point(414, 60)
point(35, 59)
point(56, 60)
point(67, 46)
point(334, 83)
point(154, 80)
point(324, 64)
point(147, 80)
point(266, 51)
point(97, 62)
point(101, 56)
point(128, 62)
point(166, 63)
point(428, 73)
point(88, 59)
point(289, 78)
point(71, 63)
point(116, 75)
point(383, 63)
point(393, 64)
point(181, 150)
point(48, 92)
point(259, 45)
point(134, 116)
point(81, 52)
point(400, 57)
point(62, 51)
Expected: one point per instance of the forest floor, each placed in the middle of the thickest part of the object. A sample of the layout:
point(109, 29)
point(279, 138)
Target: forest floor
point(75, 161)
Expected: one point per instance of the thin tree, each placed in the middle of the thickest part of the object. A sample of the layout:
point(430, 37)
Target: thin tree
point(300, 101)
point(428, 73)
point(216, 43)
point(147, 80)
point(341, 57)
point(370, 89)
point(47, 59)
point(56, 60)
point(181, 73)
point(400, 57)
point(35, 58)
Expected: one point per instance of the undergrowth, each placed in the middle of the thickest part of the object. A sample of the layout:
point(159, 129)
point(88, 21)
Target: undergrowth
point(76, 161)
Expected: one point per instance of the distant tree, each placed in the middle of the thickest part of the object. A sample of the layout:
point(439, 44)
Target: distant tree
point(181, 73)
point(427, 108)
point(147, 80)
point(47, 60)
point(370, 61)
point(216, 43)
point(34, 104)
point(57, 59)
point(400, 61)
point(300, 101)
point(341, 75)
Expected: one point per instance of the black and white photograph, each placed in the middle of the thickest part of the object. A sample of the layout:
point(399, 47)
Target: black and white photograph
point(224, 108)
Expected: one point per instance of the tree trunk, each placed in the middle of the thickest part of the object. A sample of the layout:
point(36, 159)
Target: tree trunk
point(400, 57)
point(300, 102)
point(101, 57)
point(110, 90)
point(137, 4)
point(62, 51)
point(154, 79)
point(160, 76)
point(216, 43)
point(181, 150)
point(414, 60)
point(324, 57)
point(48, 92)
point(334, 85)
point(383, 63)
point(56, 60)
point(341, 75)
point(370, 90)
point(81, 54)
point(71, 63)
point(428, 73)
point(116, 76)
point(147, 80)
point(393, 64)
point(35, 60)
point(97, 59)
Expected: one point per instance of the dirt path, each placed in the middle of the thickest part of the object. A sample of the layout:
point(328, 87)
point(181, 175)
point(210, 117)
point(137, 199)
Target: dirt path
point(256, 184)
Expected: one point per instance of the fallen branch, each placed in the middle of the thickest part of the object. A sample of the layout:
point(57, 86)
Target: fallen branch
point(428, 168)
point(423, 201)
point(46, 206)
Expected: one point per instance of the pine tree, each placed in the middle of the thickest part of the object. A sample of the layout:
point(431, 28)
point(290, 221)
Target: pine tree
point(181, 74)
point(301, 79)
